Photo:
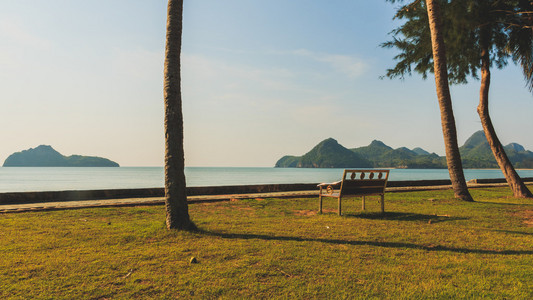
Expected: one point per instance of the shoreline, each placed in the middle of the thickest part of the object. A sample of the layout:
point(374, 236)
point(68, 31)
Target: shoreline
point(220, 191)
point(148, 201)
point(13, 180)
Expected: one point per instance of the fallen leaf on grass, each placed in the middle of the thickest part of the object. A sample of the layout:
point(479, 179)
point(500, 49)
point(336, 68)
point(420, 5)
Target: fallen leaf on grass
point(128, 275)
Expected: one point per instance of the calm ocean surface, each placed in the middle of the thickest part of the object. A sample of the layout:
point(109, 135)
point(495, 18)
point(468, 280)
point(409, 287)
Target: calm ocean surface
point(60, 179)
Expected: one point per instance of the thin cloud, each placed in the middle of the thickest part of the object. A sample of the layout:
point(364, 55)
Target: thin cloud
point(202, 74)
point(351, 66)
point(13, 34)
point(17, 43)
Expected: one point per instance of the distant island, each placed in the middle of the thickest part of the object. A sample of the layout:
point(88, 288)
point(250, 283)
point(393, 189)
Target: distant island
point(46, 156)
point(475, 153)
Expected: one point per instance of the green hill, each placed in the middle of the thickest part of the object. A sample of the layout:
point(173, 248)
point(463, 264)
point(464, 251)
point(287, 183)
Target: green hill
point(420, 151)
point(327, 154)
point(288, 162)
point(383, 156)
point(475, 152)
point(374, 150)
point(46, 156)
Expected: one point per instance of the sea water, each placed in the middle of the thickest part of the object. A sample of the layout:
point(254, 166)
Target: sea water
point(26, 179)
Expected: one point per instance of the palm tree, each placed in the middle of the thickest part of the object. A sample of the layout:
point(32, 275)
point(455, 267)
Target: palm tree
point(478, 35)
point(492, 36)
point(520, 46)
point(175, 189)
point(425, 49)
point(453, 158)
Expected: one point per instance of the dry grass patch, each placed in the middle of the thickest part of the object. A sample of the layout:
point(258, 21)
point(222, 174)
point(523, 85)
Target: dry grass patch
point(311, 212)
point(527, 215)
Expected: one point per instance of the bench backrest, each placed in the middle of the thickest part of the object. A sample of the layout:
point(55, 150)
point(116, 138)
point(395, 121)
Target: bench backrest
point(364, 182)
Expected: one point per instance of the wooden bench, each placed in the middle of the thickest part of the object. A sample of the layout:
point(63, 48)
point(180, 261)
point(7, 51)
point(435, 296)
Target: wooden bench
point(356, 183)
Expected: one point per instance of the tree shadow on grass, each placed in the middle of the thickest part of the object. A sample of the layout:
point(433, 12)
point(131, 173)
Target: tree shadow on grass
point(513, 232)
point(398, 245)
point(503, 203)
point(399, 216)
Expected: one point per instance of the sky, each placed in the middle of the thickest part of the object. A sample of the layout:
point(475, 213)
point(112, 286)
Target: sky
point(260, 80)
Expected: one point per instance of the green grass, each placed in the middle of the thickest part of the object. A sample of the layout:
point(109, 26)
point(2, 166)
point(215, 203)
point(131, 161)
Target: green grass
point(427, 246)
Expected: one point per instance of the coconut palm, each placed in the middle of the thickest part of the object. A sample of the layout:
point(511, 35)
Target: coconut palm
point(491, 18)
point(479, 34)
point(453, 158)
point(175, 189)
point(519, 22)
point(424, 47)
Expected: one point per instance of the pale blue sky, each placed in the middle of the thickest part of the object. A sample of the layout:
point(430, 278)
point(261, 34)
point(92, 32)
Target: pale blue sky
point(261, 79)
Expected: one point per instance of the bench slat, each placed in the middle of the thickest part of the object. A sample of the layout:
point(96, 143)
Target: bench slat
point(350, 183)
point(362, 191)
point(358, 183)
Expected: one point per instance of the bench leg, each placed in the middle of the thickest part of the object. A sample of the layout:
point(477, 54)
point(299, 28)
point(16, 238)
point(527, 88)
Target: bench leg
point(363, 204)
point(382, 203)
point(340, 214)
point(320, 203)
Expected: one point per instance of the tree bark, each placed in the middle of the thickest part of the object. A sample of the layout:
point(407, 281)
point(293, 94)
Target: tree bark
point(515, 182)
point(453, 157)
point(177, 210)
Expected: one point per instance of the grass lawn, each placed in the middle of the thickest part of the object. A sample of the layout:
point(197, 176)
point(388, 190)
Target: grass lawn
point(427, 246)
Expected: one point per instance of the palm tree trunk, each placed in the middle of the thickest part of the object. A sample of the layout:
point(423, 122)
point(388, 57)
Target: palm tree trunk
point(175, 189)
point(515, 182)
point(453, 157)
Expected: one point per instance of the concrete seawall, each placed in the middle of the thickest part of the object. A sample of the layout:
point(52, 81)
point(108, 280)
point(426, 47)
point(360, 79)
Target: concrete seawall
point(55, 196)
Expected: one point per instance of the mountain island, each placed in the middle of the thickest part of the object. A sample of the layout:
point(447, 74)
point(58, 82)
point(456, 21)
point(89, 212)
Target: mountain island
point(475, 153)
point(46, 156)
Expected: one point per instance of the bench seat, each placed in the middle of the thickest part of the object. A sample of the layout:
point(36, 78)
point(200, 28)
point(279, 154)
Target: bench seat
point(356, 183)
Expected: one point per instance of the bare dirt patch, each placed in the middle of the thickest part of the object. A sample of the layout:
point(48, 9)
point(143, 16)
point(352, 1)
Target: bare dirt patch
point(244, 208)
point(208, 206)
point(527, 215)
point(308, 212)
